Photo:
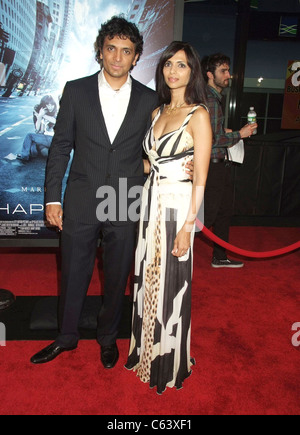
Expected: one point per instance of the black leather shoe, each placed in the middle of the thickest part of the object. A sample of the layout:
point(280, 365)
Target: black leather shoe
point(49, 354)
point(109, 356)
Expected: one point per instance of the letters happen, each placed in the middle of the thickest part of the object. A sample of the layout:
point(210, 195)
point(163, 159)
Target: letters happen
point(22, 209)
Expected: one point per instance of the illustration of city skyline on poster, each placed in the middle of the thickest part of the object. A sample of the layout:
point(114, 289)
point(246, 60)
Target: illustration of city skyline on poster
point(44, 44)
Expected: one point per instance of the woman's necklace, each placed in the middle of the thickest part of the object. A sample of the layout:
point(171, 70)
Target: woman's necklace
point(171, 111)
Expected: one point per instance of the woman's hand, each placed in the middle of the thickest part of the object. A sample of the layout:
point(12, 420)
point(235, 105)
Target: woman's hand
point(182, 242)
point(42, 113)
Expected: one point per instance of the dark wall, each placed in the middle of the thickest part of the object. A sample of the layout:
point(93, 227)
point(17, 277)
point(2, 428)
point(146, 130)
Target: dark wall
point(210, 27)
point(267, 185)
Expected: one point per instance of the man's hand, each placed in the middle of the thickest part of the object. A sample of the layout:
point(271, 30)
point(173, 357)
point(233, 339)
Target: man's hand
point(189, 169)
point(247, 130)
point(54, 215)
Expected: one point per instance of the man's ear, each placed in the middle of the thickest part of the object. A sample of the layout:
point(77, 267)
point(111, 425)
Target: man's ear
point(135, 60)
point(210, 75)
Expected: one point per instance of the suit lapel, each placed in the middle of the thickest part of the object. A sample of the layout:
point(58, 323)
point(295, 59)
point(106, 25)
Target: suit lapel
point(94, 101)
point(133, 102)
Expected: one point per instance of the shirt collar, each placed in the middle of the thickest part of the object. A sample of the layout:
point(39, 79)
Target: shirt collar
point(215, 92)
point(103, 83)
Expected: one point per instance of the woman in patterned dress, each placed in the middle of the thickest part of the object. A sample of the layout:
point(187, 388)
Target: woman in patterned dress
point(180, 131)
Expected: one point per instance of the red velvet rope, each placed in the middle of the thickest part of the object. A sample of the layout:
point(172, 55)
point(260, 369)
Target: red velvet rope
point(243, 252)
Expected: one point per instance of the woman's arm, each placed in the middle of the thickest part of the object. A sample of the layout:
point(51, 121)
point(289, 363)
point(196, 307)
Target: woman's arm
point(39, 118)
point(147, 167)
point(51, 119)
point(201, 131)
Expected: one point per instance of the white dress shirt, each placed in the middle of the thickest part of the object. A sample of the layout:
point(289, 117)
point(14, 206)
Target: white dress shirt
point(114, 106)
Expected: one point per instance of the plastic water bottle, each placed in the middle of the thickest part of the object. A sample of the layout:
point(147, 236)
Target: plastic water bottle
point(252, 117)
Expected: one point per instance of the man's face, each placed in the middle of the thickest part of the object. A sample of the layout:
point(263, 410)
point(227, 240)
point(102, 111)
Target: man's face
point(220, 79)
point(118, 56)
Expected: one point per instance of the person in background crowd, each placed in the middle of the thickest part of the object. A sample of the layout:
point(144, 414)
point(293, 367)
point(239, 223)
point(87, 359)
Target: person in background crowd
point(218, 202)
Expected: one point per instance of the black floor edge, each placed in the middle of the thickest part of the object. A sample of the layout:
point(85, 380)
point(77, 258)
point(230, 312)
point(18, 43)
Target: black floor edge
point(35, 318)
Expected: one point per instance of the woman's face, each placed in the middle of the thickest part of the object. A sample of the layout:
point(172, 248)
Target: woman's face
point(176, 71)
point(50, 107)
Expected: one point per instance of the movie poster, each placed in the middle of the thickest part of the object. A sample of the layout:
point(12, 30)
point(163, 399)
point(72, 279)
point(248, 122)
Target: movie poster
point(43, 44)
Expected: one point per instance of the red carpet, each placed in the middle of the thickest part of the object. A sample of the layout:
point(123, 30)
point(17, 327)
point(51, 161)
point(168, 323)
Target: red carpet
point(242, 321)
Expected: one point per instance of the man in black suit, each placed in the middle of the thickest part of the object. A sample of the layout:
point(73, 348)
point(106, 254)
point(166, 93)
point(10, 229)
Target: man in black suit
point(103, 118)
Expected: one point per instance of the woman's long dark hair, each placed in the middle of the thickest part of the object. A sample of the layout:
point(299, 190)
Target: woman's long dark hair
point(196, 89)
point(47, 99)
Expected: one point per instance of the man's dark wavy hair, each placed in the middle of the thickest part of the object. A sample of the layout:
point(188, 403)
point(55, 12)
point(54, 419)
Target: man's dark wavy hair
point(196, 89)
point(119, 26)
point(212, 62)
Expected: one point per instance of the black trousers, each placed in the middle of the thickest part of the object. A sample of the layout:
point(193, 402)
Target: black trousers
point(218, 204)
point(79, 248)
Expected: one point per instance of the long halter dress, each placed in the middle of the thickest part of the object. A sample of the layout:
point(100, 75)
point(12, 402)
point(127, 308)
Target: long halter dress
point(161, 326)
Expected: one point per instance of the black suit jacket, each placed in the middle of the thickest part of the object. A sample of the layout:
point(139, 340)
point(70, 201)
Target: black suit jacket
point(97, 162)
